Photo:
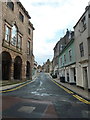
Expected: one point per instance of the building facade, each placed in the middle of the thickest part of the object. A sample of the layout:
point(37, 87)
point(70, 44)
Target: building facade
point(60, 45)
point(47, 66)
point(82, 44)
point(67, 66)
point(17, 42)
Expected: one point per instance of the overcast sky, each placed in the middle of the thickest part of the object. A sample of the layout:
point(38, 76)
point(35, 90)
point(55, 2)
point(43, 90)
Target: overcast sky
point(51, 18)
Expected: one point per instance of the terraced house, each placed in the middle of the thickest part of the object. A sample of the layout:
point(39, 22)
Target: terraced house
point(17, 42)
point(82, 49)
point(67, 65)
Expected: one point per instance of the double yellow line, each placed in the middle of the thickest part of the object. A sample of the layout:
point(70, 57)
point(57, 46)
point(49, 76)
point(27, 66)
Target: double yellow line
point(18, 87)
point(73, 94)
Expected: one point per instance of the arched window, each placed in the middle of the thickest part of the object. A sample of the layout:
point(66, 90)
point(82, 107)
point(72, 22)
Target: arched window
point(14, 35)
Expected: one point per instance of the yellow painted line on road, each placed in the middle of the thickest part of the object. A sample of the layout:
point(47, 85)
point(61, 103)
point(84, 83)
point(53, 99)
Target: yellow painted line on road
point(70, 92)
point(81, 99)
point(12, 89)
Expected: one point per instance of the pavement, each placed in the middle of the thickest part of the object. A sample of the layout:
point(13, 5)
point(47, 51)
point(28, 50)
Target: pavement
point(15, 85)
point(83, 93)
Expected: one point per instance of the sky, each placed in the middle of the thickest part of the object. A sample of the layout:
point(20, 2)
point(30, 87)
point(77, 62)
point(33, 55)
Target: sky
point(51, 18)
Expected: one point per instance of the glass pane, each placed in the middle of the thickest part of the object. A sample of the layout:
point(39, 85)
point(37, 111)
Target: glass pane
point(7, 34)
point(14, 35)
point(19, 41)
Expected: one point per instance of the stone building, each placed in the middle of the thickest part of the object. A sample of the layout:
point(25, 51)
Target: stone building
point(17, 42)
point(67, 61)
point(57, 50)
point(82, 44)
point(47, 66)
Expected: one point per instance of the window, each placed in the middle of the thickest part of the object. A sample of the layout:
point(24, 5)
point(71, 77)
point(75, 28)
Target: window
point(19, 43)
point(65, 59)
point(28, 47)
point(84, 22)
point(14, 35)
point(21, 17)
point(70, 55)
point(61, 61)
point(29, 31)
point(89, 15)
point(7, 33)
point(10, 4)
point(81, 49)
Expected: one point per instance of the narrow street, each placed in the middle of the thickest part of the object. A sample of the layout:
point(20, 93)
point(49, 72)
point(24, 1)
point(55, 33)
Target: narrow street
point(42, 98)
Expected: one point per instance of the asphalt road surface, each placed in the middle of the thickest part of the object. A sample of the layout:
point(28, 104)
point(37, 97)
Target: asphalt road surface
point(42, 98)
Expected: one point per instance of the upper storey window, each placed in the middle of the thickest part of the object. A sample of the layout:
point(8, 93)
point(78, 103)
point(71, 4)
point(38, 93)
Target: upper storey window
point(10, 4)
point(21, 17)
point(82, 24)
point(7, 33)
point(29, 31)
point(81, 49)
point(14, 35)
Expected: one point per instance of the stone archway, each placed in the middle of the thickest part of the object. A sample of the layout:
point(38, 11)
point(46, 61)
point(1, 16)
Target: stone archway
point(17, 68)
point(6, 65)
point(28, 70)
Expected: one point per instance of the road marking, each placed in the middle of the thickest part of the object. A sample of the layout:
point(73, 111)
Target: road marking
point(12, 89)
point(81, 99)
point(74, 95)
point(70, 92)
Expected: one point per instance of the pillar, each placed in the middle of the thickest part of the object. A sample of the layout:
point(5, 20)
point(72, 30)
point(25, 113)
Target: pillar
point(12, 69)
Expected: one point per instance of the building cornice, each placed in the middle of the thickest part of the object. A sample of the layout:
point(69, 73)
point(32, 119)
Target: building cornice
point(24, 10)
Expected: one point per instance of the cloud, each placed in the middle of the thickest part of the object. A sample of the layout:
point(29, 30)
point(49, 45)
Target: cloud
point(51, 18)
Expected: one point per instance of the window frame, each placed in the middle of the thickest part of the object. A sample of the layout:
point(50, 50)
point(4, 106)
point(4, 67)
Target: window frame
point(9, 36)
point(81, 48)
point(28, 47)
point(15, 38)
point(21, 16)
point(70, 55)
point(65, 58)
point(19, 43)
point(29, 31)
point(10, 5)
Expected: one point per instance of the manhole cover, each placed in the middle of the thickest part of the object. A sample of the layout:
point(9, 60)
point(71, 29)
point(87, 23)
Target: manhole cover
point(26, 109)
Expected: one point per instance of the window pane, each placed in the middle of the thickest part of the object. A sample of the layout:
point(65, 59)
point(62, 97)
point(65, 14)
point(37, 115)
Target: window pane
point(19, 41)
point(10, 5)
point(14, 35)
point(7, 34)
point(21, 17)
point(28, 47)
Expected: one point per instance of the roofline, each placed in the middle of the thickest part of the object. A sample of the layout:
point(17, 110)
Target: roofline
point(24, 10)
point(82, 15)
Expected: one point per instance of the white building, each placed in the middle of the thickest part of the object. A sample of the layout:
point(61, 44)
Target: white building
point(82, 45)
